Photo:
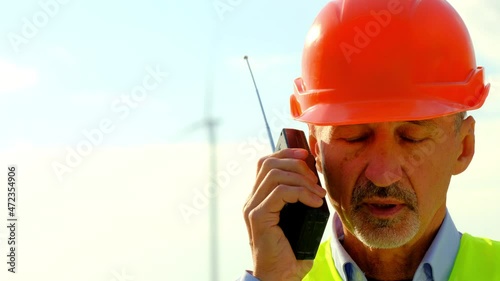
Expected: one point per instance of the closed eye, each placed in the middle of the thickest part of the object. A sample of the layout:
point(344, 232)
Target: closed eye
point(357, 139)
point(412, 140)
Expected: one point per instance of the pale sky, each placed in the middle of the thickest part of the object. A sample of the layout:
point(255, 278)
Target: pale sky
point(125, 84)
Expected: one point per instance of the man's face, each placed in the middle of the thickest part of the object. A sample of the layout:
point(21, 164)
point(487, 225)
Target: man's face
point(388, 181)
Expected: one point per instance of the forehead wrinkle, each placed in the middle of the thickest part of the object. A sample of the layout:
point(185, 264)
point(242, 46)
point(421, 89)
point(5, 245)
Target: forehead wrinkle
point(424, 123)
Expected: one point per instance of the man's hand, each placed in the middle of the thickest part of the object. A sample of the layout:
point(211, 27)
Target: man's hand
point(282, 177)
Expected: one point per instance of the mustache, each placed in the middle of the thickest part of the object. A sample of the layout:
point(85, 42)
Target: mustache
point(368, 190)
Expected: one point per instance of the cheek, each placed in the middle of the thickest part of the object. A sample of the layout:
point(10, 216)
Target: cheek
point(430, 177)
point(341, 173)
point(430, 188)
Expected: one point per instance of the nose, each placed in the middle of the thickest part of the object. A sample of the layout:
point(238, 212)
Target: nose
point(384, 162)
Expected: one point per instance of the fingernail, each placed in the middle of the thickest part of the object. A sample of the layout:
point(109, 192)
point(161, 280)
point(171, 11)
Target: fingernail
point(320, 189)
point(318, 200)
point(300, 152)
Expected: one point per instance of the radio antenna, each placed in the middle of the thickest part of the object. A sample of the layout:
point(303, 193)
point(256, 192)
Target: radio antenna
point(261, 107)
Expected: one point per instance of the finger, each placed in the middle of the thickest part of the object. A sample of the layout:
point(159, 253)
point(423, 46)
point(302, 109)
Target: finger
point(277, 177)
point(287, 164)
point(284, 194)
point(291, 194)
point(287, 153)
point(266, 215)
point(287, 159)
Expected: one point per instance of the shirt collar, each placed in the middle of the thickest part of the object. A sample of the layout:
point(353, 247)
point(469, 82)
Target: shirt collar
point(441, 255)
point(436, 264)
point(345, 265)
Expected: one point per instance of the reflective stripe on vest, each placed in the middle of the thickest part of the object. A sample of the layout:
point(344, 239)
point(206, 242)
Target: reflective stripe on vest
point(478, 259)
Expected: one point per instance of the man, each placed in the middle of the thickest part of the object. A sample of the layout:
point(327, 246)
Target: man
point(385, 86)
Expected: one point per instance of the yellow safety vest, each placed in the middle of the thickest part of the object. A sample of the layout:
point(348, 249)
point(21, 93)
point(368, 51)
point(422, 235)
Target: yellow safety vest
point(478, 259)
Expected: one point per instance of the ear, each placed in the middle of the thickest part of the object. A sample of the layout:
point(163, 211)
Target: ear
point(467, 145)
point(314, 147)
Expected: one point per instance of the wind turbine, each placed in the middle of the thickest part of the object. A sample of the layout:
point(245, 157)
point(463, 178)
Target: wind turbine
point(210, 123)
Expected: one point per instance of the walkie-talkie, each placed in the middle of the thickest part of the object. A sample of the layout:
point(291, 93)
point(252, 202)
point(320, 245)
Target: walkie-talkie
point(303, 225)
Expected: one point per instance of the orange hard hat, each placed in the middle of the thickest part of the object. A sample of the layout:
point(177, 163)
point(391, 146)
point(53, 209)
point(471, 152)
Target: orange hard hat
point(368, 61)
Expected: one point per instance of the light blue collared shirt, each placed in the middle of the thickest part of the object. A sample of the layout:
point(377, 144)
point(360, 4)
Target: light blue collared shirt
point(435, 266)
